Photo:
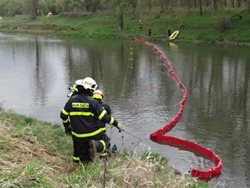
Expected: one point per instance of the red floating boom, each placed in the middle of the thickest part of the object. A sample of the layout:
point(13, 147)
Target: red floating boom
point(159, 137)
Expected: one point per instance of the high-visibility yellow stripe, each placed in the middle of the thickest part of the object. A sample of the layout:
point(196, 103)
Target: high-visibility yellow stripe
point(88, 134)
point(66, 121)
point(65, 112)
point(76, 158)
point(75, 88)
point(104, 145)
point(102, 114)
point(97, 96)
point(112, 120)
point(81, 114)
point(103, 154)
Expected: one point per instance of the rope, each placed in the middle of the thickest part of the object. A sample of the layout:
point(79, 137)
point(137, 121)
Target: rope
point(131, 134)
point(159, 137)
point(130, 61)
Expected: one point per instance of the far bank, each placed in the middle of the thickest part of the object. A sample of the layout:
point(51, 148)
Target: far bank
point(226, 28)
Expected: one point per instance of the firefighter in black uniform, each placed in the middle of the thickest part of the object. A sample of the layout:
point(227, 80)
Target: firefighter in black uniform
point(98, 95)
point(81, 115)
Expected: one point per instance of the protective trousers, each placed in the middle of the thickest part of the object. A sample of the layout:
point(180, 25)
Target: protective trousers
point(85, 150)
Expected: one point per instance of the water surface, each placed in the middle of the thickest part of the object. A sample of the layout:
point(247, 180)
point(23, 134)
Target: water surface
point(36, 71)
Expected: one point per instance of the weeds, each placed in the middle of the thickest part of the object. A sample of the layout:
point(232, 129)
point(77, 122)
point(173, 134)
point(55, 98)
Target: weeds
point(38, 154)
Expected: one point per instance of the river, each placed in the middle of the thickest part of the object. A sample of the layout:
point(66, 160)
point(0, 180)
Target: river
point(36, 71)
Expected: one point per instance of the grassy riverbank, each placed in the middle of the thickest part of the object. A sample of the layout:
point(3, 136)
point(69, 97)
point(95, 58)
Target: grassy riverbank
point(38, 154)
point(227, 26)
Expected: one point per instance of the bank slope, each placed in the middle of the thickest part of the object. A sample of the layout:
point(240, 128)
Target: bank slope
point(38, 154)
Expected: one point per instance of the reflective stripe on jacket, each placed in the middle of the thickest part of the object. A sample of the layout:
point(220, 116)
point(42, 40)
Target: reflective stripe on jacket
point(106, 107)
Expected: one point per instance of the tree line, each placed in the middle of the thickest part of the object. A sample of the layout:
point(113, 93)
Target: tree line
point(34, 8)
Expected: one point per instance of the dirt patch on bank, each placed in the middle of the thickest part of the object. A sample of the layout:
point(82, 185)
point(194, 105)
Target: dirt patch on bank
point(25, 148)
point(26, 155)
point(41, 27)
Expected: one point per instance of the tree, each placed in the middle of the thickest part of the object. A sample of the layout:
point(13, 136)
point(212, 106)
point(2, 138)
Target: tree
point(88, 5)
point(238, 3)
point(149, 2)
point(62, 6)
point(232, 3)
point(162, 5)
point(200, 5)
point(92, 5)
point(31, 7)
point(48, 6)
point(215, 4)
point(195, 4)
point(10, 8)
point(120, 6)
point(34, 8)
point(248, 5)
point(189, 5)
point(133, 3)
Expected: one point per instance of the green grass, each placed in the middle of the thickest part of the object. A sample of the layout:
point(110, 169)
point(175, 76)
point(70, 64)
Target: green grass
point(38, 154)
point(212, 26)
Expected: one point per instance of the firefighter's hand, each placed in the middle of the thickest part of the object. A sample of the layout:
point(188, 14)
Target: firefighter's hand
point(67, 130)
point(119, 127)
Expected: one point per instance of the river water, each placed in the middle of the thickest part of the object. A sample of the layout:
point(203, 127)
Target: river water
point(36, 71)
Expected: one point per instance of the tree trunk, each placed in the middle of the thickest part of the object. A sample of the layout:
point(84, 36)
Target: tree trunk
point(162, 5)
point(120, 22)
point(238, 3)
point(200, 5)
point(207, 3)
point(225, 3)
point(195, 4)
point(215, 4)
point(248, 5)
point(34, 8)
point(150, 5)
point(232, 3)
point(120, 11)
point(189, 5)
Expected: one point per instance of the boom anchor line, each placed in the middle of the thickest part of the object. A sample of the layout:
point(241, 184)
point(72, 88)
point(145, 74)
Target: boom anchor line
point(159, 135)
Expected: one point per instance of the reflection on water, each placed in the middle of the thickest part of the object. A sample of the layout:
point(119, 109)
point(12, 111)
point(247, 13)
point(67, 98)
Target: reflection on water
point(36, 71)
point(218, 82)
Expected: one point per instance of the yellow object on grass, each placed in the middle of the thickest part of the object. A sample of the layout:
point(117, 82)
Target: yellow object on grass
point(174, 35)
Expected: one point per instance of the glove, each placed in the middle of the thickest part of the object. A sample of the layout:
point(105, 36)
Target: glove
point(119, 127)
point(68, 130)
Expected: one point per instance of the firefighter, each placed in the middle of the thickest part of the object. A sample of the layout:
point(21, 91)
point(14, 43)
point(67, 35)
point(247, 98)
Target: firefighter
point(149, 31)
point(98, 95)
point(169, 30)
point(81, 115)
point(140, 25)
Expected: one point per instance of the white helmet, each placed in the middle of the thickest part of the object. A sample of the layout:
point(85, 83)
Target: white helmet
point(74, 87)
point(87, 83)
point(77, 83)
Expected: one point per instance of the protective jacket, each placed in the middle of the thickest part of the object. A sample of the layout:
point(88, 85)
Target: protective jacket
point(105, 107)
point(80, 113)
